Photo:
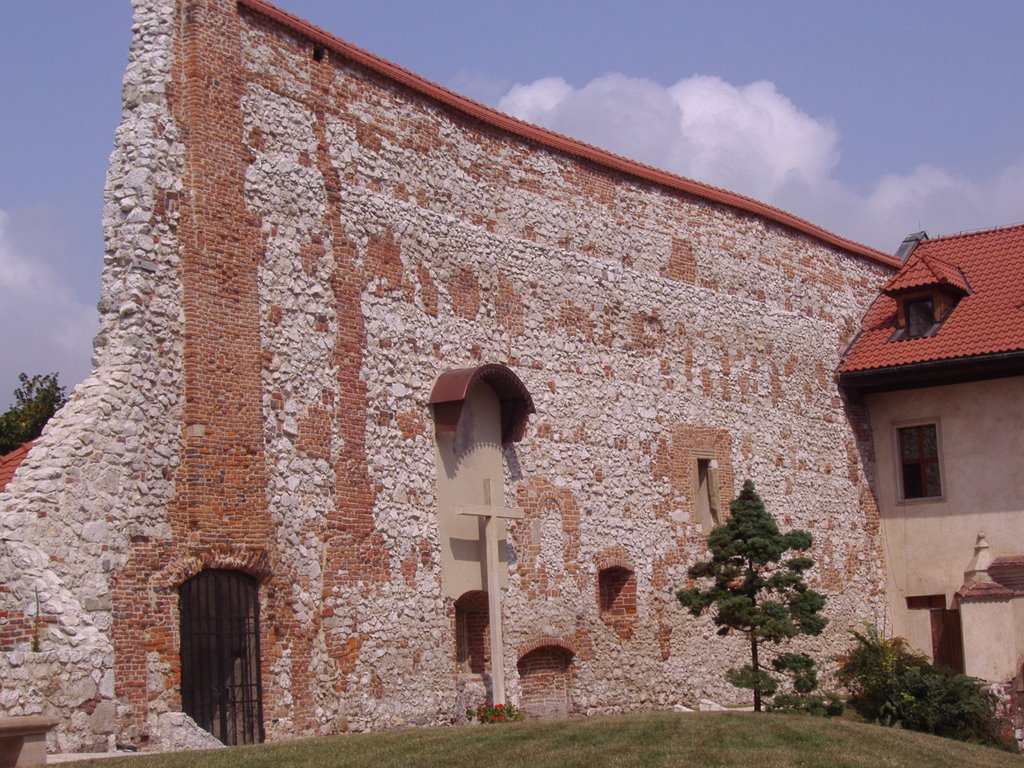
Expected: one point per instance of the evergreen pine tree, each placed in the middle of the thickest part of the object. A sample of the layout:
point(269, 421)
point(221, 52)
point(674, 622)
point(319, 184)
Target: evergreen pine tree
point(755, 592)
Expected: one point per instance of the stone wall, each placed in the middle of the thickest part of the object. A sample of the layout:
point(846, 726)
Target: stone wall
point(298, 246)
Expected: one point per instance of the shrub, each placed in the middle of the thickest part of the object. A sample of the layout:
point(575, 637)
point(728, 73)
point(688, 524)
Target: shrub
point(942, 702)
point(892, 685)
point(802, 672)
point(869, 671)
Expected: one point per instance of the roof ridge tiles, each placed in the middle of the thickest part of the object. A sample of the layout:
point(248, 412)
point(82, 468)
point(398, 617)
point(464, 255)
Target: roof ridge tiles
point(925, 244)
point(560, 142)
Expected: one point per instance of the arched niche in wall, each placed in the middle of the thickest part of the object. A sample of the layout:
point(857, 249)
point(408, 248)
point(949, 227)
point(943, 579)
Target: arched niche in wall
point(545, 681)
point(472, 651)
point(476, 412)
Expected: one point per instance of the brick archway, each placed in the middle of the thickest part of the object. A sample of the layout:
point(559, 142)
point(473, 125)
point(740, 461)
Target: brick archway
point(545, 681)
point(472, 651)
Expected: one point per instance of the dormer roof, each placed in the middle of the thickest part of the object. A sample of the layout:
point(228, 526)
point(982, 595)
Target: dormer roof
point(923, 270)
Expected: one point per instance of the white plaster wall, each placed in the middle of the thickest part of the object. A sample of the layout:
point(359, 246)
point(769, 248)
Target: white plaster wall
point(929, 542)
point(990, 652)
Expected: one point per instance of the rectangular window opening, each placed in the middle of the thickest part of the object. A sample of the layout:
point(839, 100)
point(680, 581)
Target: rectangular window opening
point(920, 317)
point(919, 462)
point(706, 494)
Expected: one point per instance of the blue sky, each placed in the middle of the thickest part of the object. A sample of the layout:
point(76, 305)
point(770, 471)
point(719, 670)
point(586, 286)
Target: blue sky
point(873, 119)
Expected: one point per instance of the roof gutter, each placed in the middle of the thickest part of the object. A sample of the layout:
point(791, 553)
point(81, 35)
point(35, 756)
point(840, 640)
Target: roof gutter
point(933, 373)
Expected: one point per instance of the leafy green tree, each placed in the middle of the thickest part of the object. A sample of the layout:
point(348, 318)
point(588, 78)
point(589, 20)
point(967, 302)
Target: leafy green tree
point(756, 592)
point(35, 400)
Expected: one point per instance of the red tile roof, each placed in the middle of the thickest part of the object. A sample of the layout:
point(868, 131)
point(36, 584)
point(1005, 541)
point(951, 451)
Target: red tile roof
point(984, 590)
point(1008, 570)
point(988, 321)
point(10, 462)
point(556, 141)
point(921, 270)
point(1008, 562)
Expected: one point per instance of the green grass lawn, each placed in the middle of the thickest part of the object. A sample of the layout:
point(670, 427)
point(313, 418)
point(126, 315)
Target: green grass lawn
point(653, 739)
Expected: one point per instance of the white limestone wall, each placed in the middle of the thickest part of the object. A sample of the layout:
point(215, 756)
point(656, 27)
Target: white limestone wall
point(505, 253)
point(749, 349)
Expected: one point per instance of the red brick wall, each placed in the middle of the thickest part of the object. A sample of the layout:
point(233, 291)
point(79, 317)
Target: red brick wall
point(473, 648)
point(545, 679)
point(218, 515)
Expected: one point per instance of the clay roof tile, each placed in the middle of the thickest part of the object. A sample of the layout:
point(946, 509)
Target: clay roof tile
point(989, 320)
point(984, 590)
point(10, 462)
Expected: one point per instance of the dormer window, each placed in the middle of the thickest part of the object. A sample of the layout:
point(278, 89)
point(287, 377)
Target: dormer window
point(926, 291)
point(920, 314)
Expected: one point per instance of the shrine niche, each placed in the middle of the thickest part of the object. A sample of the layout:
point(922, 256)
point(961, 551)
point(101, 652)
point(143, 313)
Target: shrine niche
point(476, 412)
point(471, 632)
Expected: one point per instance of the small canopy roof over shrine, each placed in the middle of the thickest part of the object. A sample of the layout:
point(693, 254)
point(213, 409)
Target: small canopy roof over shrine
point(452, 387)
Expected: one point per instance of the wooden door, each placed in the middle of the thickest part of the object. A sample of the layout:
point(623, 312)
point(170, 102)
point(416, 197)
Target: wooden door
point(947, 641)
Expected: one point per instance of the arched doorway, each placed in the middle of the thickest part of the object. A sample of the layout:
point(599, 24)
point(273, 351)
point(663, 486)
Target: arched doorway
point(220, 655)
point(545, 680)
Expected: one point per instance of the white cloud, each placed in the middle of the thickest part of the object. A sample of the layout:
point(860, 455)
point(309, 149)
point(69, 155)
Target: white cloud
point(534, 101)
point(752, 135)
point(753, 140)
point(45, 327)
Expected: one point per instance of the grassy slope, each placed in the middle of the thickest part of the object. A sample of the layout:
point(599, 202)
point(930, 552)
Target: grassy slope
point(657, 739)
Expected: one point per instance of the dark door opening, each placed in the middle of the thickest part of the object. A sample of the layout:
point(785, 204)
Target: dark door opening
point(220, 655)
point(947, 642)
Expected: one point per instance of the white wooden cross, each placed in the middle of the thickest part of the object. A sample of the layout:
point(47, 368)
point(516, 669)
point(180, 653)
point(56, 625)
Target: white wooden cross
point(490, 512)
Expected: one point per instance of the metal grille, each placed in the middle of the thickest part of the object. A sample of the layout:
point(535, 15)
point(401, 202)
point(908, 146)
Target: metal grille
point(220, 655)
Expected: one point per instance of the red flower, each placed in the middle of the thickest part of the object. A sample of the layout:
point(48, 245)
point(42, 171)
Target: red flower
point(499, 706)
point(501, 717)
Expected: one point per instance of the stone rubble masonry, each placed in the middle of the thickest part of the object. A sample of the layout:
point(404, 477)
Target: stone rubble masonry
point(296, 248)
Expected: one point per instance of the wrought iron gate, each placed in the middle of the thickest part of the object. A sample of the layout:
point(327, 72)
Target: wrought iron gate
point(220, 655)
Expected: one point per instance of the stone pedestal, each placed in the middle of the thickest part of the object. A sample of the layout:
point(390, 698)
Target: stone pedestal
point(23, 741)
